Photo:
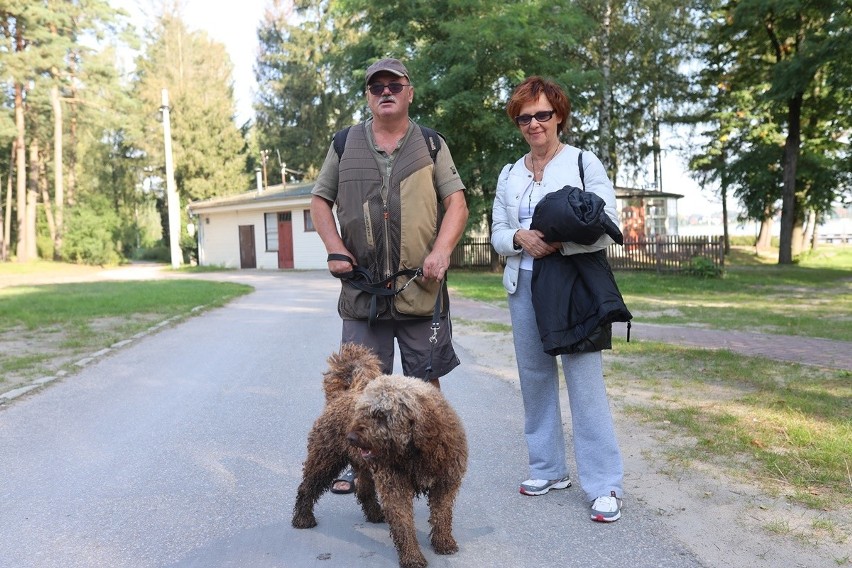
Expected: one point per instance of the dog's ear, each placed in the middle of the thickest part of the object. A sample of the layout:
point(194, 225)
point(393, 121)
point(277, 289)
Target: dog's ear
point(352, 367)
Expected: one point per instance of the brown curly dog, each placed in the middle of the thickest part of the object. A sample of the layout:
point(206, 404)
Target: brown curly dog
point(403, 440)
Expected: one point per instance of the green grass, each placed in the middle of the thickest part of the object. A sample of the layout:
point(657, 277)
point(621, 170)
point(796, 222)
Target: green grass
point(811, 299)
point(482, 286)
point(37, 306)
point(787, 425)
point(69, 320)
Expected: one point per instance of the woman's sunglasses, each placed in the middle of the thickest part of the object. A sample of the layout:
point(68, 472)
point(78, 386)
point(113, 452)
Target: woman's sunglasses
point(376, 89)
point(540, 116)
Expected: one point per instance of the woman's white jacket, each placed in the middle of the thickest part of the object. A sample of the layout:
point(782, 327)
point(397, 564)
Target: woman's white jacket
point(561, 171)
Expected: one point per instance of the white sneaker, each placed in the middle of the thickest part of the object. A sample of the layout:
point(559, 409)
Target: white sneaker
point(542, 486)
point(606, 508)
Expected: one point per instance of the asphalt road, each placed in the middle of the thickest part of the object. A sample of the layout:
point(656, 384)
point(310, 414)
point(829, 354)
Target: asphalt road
point(185, 449)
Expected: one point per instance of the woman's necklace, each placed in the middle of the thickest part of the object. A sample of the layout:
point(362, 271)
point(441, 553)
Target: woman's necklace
point(539, 172)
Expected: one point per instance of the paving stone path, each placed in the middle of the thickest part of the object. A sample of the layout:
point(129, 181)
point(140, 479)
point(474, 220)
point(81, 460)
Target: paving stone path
point(804, 350)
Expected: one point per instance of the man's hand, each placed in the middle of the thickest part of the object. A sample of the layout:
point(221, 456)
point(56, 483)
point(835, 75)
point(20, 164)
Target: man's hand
point(341, 266)
point(435, 266)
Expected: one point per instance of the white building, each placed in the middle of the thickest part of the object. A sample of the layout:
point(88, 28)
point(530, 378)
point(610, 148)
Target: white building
point(266, 229)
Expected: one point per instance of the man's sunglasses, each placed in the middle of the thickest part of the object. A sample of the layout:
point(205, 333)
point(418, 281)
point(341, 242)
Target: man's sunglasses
point(540, 116)
point(376, 89)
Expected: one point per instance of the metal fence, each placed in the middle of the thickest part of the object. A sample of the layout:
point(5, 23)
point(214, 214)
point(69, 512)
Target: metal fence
point(473, 253)
point(664, 253)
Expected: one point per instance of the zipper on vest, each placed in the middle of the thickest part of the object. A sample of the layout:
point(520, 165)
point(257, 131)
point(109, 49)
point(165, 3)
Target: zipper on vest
point(385, 221)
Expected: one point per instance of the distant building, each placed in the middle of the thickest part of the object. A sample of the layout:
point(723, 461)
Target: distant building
point(647, 213)
point(272, 228)
point(267, 229)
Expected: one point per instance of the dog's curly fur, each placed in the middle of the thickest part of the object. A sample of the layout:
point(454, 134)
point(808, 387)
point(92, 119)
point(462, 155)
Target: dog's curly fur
point(403, 440)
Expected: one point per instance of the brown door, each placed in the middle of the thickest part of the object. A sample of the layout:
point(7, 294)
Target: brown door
point(248, 258)
point(285, 240)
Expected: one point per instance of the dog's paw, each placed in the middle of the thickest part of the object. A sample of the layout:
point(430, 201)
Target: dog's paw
point(445, 545)
point(304, 521)
point(413, 562)
point(375, 517)
point(373, 512)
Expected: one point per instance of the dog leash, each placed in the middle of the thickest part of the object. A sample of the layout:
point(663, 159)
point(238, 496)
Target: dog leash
point(361, 279)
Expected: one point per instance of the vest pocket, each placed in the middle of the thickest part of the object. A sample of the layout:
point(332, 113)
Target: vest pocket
point(356, 304)
point(418, 299)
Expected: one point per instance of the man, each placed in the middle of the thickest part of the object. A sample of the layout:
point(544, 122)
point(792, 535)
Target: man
point(400, 205)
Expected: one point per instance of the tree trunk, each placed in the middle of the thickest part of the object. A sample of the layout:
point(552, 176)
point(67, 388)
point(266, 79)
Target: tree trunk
point(59, 188)
point(764, 237)
point(723, 193)
point(797, 237)
point(20, 173)
point(32, 204)
point(7, 225)
point(815, 230)
point(45, 199)
point(3, 240)
point(808, 230)
point(655, 147)
point(789, 213)
point(71, 183)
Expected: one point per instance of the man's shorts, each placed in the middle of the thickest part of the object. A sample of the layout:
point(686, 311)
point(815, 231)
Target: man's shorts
point(412, 336)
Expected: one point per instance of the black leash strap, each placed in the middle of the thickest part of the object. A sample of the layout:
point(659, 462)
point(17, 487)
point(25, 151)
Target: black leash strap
point(360, 278)
point(436, 325)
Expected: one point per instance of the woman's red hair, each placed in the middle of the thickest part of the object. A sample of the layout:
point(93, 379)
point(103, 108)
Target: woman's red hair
point(531, 89)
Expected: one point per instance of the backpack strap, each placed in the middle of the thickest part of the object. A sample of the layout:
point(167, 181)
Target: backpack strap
point(432, 137)
point(582, 172)
point(340, 141)
point(433, 141)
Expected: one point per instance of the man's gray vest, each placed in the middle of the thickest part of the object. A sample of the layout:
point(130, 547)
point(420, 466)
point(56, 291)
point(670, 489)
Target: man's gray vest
point(388, 229)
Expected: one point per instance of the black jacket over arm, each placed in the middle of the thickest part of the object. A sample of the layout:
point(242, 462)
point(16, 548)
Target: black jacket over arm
point(575, 297)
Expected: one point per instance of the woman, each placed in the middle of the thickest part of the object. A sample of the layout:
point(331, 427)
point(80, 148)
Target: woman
point(540, 110)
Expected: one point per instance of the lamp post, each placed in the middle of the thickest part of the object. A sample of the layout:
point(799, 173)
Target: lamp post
point(171, 191)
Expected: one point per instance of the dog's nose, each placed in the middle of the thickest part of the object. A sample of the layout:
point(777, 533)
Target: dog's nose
point(352, 438)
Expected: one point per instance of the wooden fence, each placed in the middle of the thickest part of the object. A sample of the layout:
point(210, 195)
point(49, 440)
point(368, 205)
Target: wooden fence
point(664, 253)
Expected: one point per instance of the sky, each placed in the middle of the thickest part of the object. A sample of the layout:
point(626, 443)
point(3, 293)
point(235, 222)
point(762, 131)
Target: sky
point(235, 25)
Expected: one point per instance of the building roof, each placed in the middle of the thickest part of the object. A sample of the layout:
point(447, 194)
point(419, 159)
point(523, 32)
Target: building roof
point(635, 193)
point(279, 192)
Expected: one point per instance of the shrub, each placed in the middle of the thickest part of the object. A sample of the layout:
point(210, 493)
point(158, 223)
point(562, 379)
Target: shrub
point(91, 235)
point(159, 253)
point(702, 267)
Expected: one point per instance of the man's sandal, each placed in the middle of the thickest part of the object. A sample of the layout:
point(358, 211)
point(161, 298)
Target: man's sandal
point(348, 477)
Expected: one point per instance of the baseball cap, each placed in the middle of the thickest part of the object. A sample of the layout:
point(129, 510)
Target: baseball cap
point(390, 65)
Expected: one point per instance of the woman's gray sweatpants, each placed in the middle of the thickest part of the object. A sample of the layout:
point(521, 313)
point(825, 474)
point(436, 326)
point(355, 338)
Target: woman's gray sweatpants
point(599, 466)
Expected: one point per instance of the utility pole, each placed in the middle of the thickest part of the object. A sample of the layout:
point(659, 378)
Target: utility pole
point(171, 191)
point(283, 169)
point(264, 157)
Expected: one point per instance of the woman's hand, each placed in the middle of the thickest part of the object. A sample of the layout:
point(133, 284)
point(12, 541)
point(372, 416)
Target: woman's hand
point(532, 241)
